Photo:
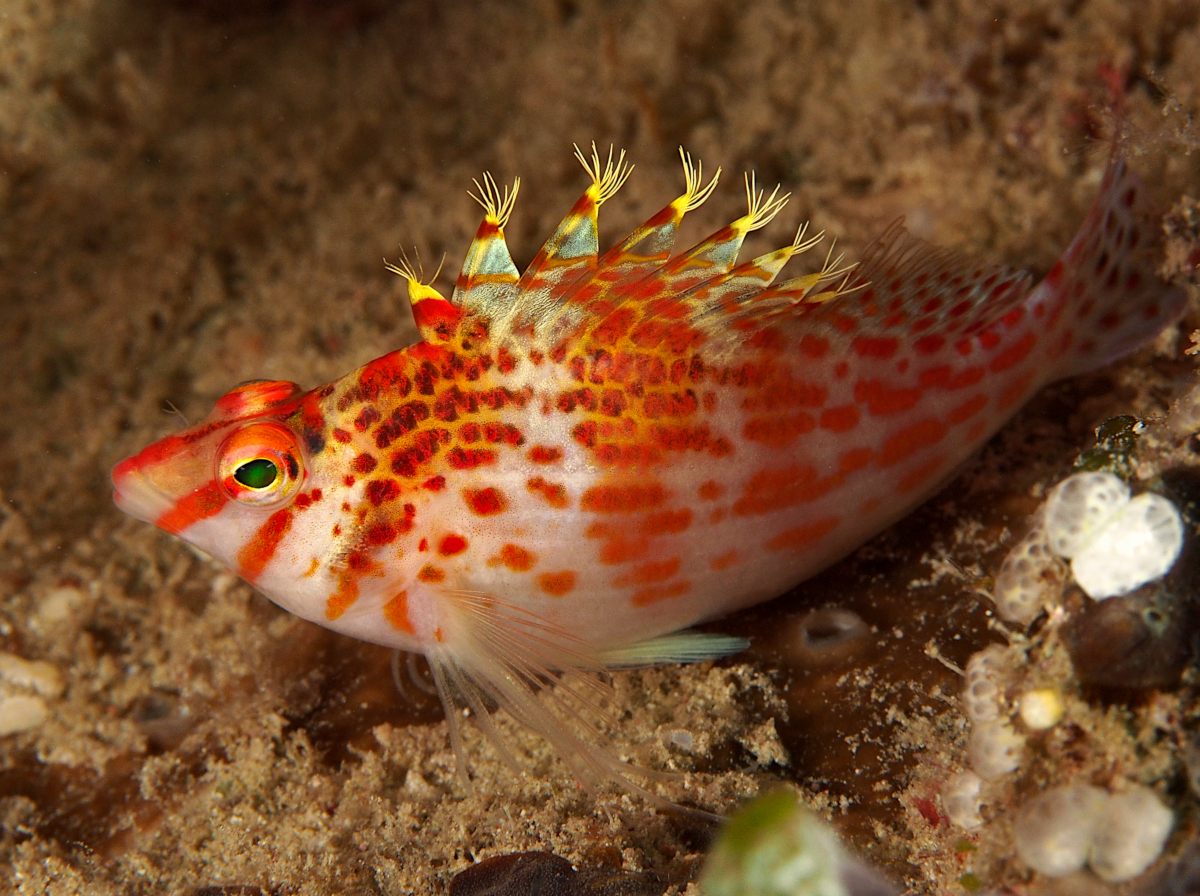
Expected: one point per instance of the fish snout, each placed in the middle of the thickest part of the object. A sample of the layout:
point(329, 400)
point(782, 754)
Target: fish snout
point(135, 494)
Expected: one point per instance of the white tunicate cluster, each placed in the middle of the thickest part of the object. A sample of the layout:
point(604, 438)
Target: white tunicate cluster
point(961, 800)
point(1079, 507)
point(1054, 832)
point(981, 697)
point(1138, 546)
point(993, 745)
point(1130, 834)
point(994, 749)
point(1119, 836)
point(1115, 543)
point(1028, 578)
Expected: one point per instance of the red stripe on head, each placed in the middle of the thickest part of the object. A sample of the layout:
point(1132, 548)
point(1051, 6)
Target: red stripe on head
point(261, 547)
point(201, 504)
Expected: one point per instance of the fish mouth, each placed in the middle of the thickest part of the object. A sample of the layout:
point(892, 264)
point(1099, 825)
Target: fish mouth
point(135, 494)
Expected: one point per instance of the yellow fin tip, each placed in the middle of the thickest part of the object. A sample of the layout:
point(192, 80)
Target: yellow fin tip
point(606, 179)
point(762, 208)
point(498, 207)
point(696, 192)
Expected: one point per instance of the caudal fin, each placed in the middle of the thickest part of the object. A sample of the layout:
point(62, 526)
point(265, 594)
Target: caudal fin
point(1104, 295)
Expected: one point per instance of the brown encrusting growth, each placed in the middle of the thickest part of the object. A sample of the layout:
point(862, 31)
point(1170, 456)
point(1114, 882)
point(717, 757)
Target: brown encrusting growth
point(197, 194)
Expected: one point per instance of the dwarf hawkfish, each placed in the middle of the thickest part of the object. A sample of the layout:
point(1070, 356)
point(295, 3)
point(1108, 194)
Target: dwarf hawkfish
point(578, 462)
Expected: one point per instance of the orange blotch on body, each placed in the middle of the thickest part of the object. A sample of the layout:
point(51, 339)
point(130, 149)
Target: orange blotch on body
point(452, 545)
point(921, 475)
point(557, 584)
point(799, 538)
point(623, 498)
point(668, 522)
point(552, 493)
point(649, 573)
point(967, 409)
point(724, 561)
point(544, 454)
point(515, 558)
point(654, 593)
point(395, 611)
point(840, 419)
point(777, 431)
point(1014, 354)
point(710, 491)
point(1014, 392)
point(343, 598)
point(431, 574)
point(910, 440)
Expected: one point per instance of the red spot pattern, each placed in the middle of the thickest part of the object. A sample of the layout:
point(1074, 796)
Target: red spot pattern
point(840, 419)
point(380, 491)
point(364, 463)
point(882, 399)
point(778, 431)
point(649, 573)
point(485, 501)
point(452, 545)
point(910, 440)
point(623, 498)
point(553, 494)
point(544, 454)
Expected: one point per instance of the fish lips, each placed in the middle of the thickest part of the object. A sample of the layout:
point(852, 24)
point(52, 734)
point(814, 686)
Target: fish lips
point(136, 495)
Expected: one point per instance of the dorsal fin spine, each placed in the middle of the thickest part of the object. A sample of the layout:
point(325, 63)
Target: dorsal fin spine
point(436, 319)
point(488, 273)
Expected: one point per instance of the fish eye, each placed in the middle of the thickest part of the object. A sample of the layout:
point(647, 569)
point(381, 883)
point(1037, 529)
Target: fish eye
point(259, 473)
point(261, 465)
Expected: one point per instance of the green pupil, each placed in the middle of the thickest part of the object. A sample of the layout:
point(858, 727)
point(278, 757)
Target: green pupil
point(257, 473)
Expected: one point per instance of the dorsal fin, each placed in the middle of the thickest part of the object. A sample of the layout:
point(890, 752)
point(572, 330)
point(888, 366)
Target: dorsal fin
point(437, 320)
point(572, 252)
point(649, 246)
point(487, 283)
point(750, 279)
point(713, 257)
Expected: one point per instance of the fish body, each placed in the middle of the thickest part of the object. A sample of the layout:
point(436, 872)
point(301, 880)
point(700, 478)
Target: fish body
point(607, 449)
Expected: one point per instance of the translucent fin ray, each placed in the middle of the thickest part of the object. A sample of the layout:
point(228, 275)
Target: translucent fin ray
point(678, 647)
point(542, 676)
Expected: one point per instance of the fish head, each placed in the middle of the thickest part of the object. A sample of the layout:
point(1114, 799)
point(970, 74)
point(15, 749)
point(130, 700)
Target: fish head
point(215, 483)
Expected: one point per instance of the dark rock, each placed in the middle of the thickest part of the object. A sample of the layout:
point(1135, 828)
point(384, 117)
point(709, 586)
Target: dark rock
point(545, 874)
point(1141, 640)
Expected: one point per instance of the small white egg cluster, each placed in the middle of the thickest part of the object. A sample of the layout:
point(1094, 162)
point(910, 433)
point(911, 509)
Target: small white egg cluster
point(993, 747)
point(1118, 835)
point(1115, 543)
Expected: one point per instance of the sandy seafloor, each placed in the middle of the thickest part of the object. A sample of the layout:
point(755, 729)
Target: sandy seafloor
point(200, 193)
